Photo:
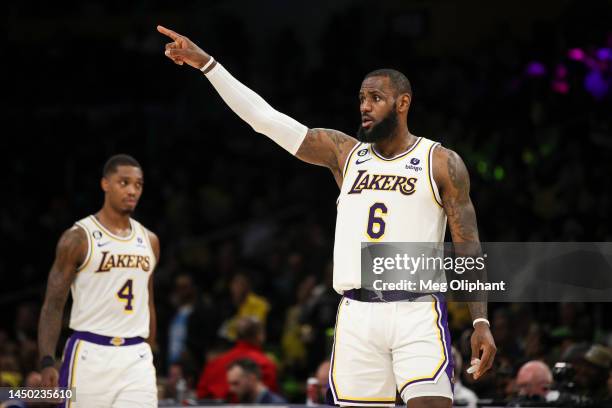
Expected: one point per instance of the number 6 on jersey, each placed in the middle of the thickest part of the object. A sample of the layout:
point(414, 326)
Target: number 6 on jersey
point(376, 224)
point(125, 294)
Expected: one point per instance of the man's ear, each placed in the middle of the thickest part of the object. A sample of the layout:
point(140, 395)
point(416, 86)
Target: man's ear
point(105, 184)
point(403, 103)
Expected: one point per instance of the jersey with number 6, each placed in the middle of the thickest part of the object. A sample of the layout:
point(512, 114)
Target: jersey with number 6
point(385, 200)
point(110, 293)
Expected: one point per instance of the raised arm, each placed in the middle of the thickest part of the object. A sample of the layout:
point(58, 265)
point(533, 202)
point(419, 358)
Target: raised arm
point(71, 252)
point(323, 147)
point(453, 182)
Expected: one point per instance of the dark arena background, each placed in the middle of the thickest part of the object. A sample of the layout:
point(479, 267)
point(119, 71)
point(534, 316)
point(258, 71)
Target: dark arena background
point(522, 90)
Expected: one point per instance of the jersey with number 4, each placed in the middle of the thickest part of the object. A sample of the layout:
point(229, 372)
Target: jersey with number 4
point(110, 293)
point(385, 200)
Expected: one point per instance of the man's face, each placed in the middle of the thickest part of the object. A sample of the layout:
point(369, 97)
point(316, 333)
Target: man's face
point(532, 388)
point(377, 104)
point(123, 188)
point(241, 384)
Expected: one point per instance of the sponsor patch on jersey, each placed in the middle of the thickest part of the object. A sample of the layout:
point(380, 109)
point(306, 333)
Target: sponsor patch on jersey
point(361, 156)
point(414, 164)
point(97, 235)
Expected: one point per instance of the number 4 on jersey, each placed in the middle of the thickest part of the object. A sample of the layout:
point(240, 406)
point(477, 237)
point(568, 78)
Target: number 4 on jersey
point(125, 294)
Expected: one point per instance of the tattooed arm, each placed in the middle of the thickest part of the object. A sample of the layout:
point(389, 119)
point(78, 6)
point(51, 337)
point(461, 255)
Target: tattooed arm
point(328, 148)
point(453, 181)
point(70, 253)
point(152, 340)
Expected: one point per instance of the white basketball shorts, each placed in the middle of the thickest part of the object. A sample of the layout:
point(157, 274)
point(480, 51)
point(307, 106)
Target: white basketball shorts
point(384, 348)
point(106, 376)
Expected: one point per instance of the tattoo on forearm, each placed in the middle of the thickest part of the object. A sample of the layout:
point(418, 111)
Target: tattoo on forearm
point(68, 256)
point(457, 203)
point(478, 309)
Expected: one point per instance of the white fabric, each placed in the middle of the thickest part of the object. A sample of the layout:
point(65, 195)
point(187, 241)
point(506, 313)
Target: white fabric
point(110, 294)
point(400, 194)
point(253, 109)
point(116, 377)
point(383, 347)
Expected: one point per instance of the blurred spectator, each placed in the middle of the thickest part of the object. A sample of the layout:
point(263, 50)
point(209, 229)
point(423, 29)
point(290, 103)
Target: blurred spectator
point(26, 322)
point(246, 304)
point(319, 319)
point(592, 372)
point(533, 381)
point(10, 372)
point(244, 380)
point(251, 337)
point(177, 387)
point(192, 329)
point(462, 394)
point(294, 349)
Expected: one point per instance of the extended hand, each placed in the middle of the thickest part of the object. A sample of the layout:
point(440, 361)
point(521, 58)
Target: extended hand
point(183, 50)
point(482, 341)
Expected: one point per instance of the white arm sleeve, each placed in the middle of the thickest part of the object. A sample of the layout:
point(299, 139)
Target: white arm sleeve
point(254, 110)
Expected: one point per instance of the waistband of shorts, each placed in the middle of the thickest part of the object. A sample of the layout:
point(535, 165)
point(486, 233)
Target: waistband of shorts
point(106, 340)
point(378, 296)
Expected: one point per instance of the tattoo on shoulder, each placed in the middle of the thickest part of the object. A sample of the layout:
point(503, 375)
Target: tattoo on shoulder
point(326, 147)
point(72, 243)
point(457, 172)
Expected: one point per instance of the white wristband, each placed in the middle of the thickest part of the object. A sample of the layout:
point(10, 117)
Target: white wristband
point(481, 319)
point(208, 64)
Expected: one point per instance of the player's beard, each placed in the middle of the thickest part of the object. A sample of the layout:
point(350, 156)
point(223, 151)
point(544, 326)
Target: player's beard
point(380, 131)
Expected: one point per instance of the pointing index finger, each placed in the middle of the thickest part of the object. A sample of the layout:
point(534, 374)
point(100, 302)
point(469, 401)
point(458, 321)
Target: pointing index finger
point(168, 32)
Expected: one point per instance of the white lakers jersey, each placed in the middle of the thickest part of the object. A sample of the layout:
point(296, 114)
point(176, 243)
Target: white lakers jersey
point(110, 292)
point(385, 200)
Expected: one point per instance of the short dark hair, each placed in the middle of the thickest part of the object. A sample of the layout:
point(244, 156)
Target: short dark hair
point(400, 83)
point(247, 365)
point(119, 160)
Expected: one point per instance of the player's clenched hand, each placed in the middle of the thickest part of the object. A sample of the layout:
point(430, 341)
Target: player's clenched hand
point(483, 349)
point(183, 50)
point(49, 377)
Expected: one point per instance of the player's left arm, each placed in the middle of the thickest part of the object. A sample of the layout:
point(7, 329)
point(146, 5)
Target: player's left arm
point(453, 182)
point(152, 314)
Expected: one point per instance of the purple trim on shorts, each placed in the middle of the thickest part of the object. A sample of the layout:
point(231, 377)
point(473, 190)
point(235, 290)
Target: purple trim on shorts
point(442, 324)
point(450, 367)
point(106, 340)
point(64, 374)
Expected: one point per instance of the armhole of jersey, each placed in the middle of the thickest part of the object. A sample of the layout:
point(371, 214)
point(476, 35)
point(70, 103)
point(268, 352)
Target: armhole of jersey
point(432, 182)
point(348, 160)
point(146, 235)
point(89, 247)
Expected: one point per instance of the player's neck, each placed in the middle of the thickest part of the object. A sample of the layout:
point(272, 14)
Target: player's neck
point(398, 143)
point(113, 221)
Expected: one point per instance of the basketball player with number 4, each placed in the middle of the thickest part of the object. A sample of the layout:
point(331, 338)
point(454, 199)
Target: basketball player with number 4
point(106, 260)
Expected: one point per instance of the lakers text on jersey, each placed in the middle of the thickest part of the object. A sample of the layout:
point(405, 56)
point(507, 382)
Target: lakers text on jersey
point(110, 292)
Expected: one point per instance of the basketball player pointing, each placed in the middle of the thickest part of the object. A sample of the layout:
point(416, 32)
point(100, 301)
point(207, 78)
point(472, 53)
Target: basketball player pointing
point(107, 261)
point(395, 187)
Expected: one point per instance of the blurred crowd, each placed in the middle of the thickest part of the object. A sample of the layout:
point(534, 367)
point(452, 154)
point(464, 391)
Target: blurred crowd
point(247, 230)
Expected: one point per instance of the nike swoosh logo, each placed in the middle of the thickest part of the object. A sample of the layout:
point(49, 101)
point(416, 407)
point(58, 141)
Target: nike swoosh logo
point(101, 244)
point(363, 161)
